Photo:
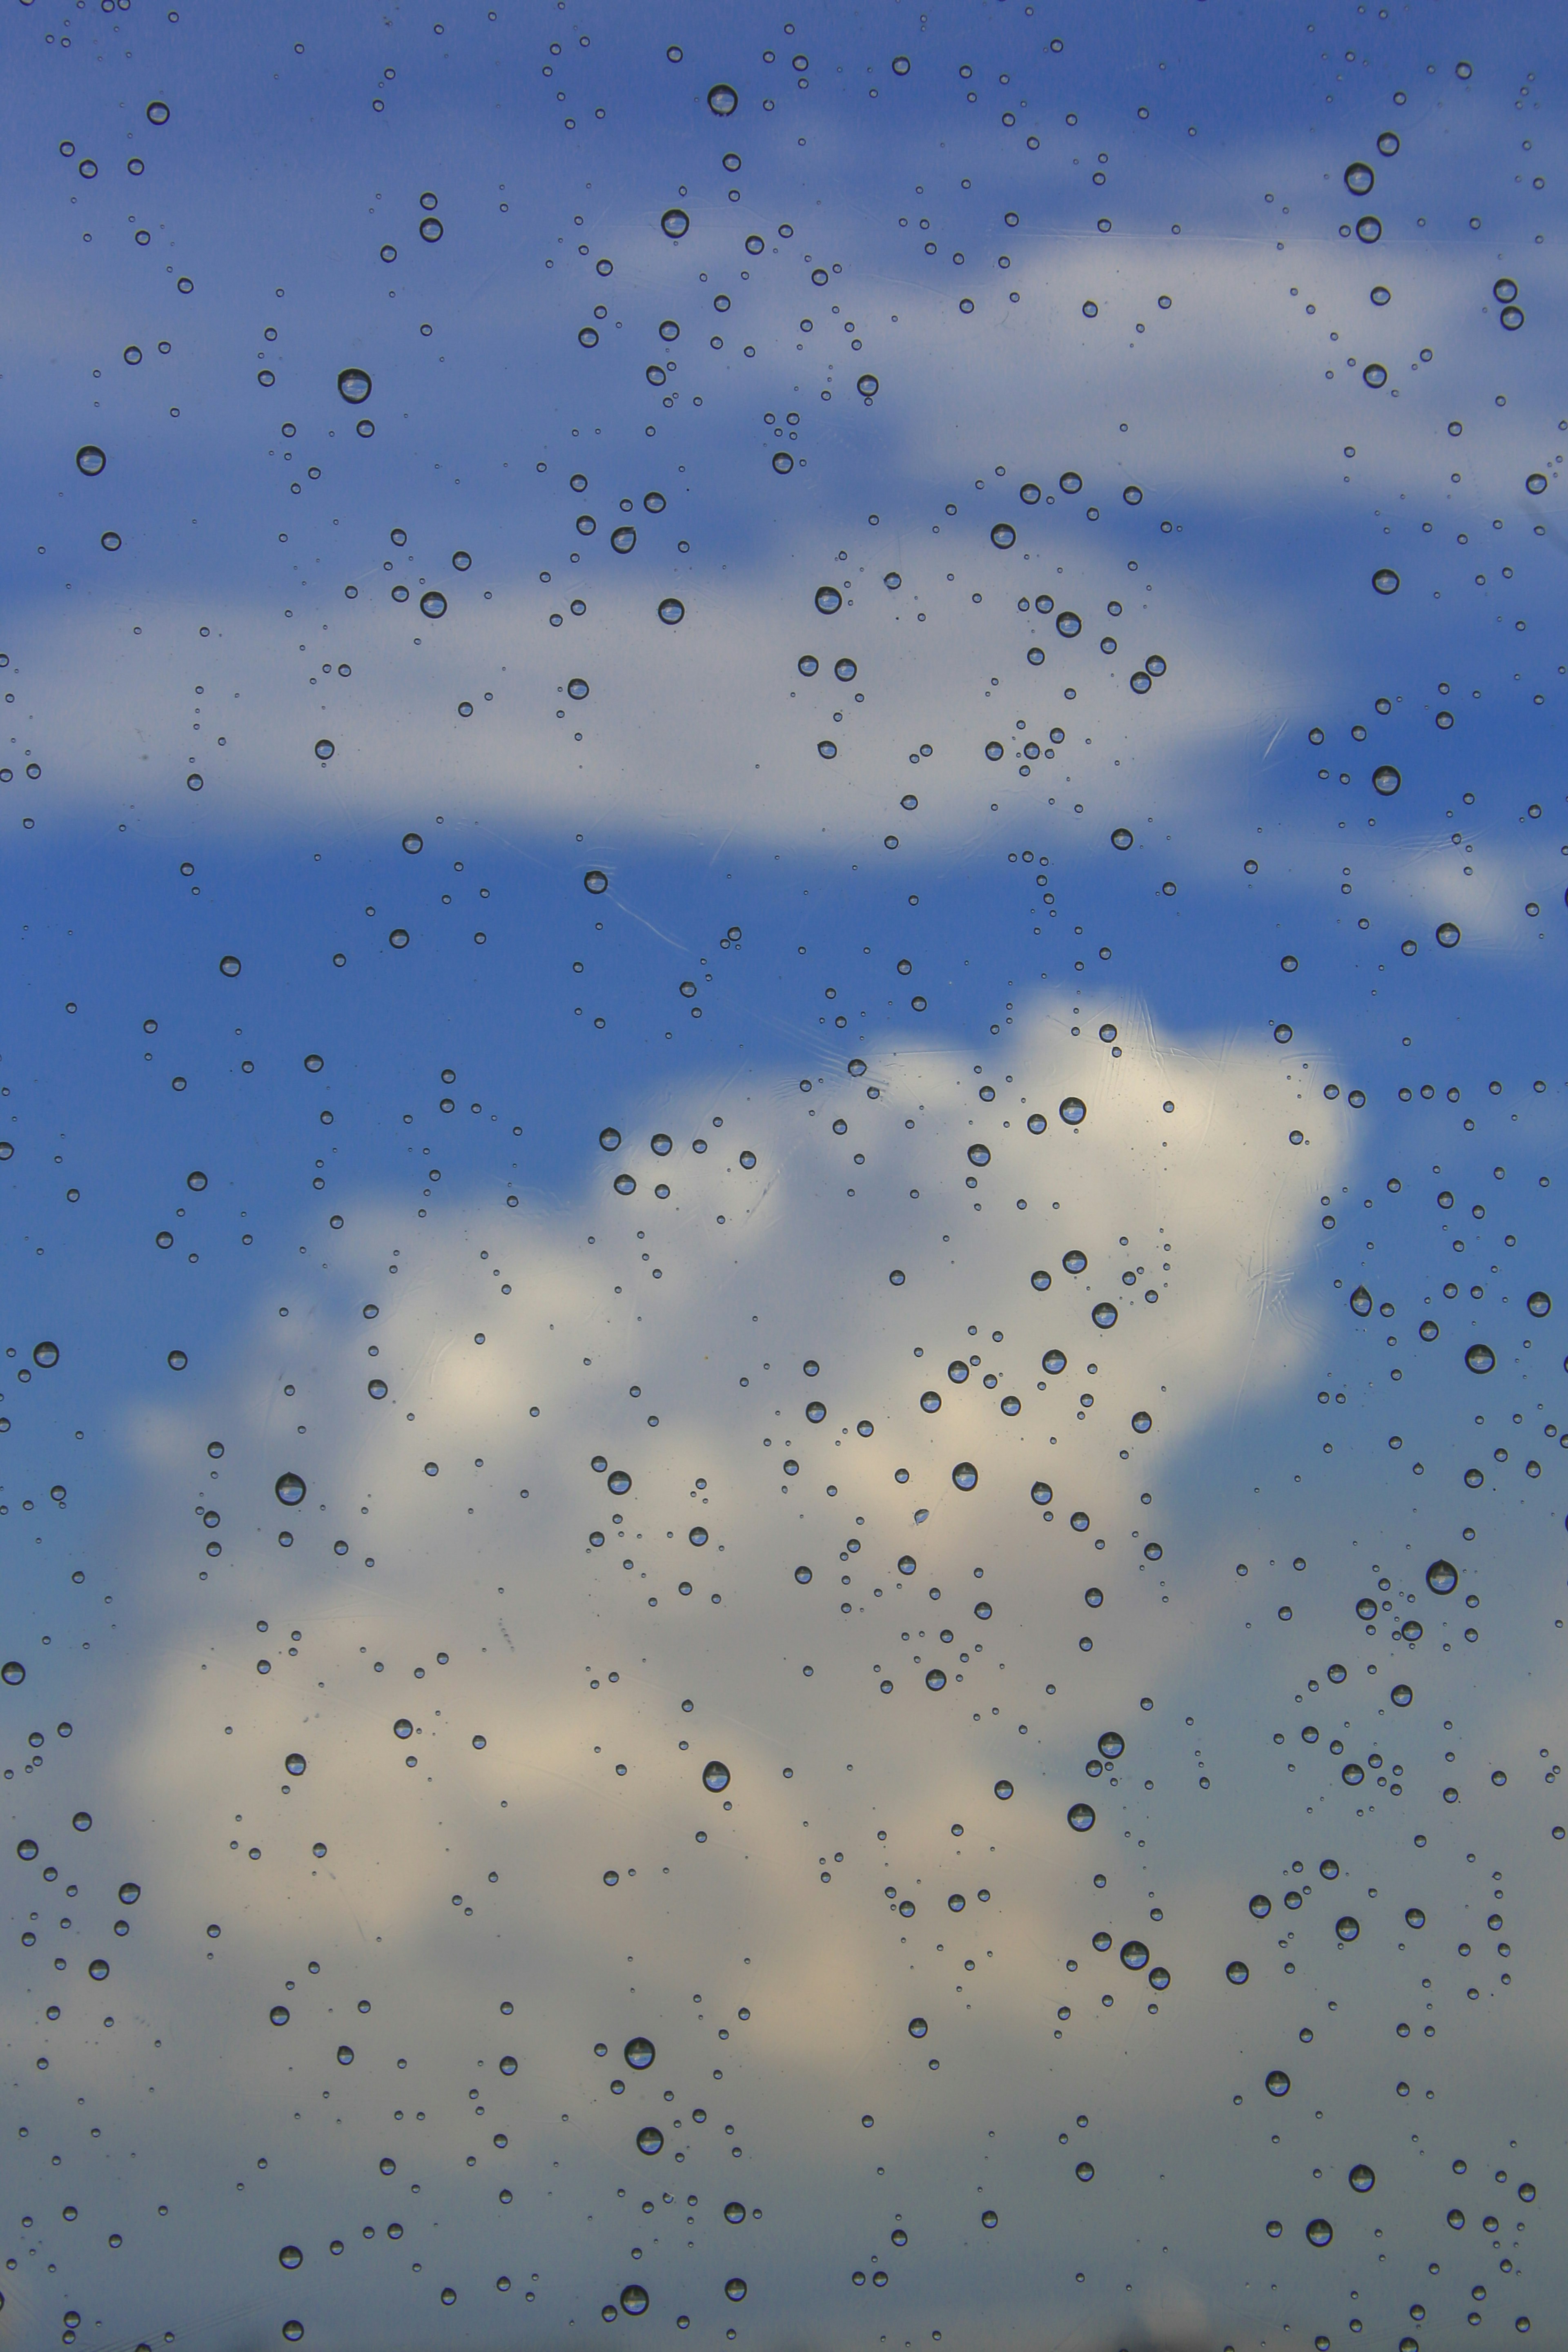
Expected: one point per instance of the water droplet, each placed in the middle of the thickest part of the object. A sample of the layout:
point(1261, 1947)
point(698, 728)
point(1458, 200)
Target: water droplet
point(1134, 1955)
point(354, 385)
point(633, 2300)
point(697, 1535)
point(965, 1476)
point(1053, 1361)
point(1539, 1302)
point(979, 1156)
point(1318, 2233)
point(279, 2015)
point(157, 111)
point(675, 222)
point(715, 1775)
point(1143, 1424)
point(90, 459)
point(1535, 484)
point(1121, 838)
point(1085, 2170)
point(129, 1893)
point(936, 1680)
point(1386, 781)
point(596, 883)
point(1347, 1929)
point(1385, 581)
point(1237, 1972)
point(1067, 625)
point(1071, 1111)
point(45, 1355)
point(827, 600)
point(1004, 1790)
point(735, 2289)
point(1071, 483)
point(294, 1765)
point(1359, 179)
point(1103, 1314)
point(403, 1728)
point(1512, 318)
point(609, 1139)
point(1110, 1744)
point(13, 1672)
point(1080, 1816)
point(1442, 1576)
point(1002, 534)
point(650, 2139)
point(868, 387)
point(1277, 2083)
point(290, 2257)
point(670, 611)
point(325, 748)
point(432, 604)
point(721, 98)
point(638, 2052)
point(1369, 228)
point(1449, 935)
point(291, 1487)
point(1478, 1357)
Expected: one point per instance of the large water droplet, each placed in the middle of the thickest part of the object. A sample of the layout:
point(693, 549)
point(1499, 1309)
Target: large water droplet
point(1080, 1816)
point(278, 2014)
point(291, 1487)
point(1385, 581)
point(1347, 1929)
point(354, 385)
point(1002, 534)
point(715, 1775)
point(1237, 1972)
point(1071, 1111)
point(1104, 1315)
point(1359, 179)
point(1478, 1357)
point(1369, 228)
point(1449, 935)
point(675, 222)
point(1539, 1302)
point(936, 1680)
point(638, 2052)
point(670, 611)
point(721, 98)
point(1121, 838)
point(650, 2139)
point(1442, 1576)
point(1361, 1300)
point(294, 1764)
point(1386, 781)
point(45, 1355)
point(432, 604)
point(290, 2257)
point(735, 2289)
point(1004, 1790)
point(827, 600)
point(965, 1476)
point(919, 2028)
point(633, 2301)
point(91, 459)
point(1318, 2233)
point(1134, 1955)
point(1277, 2083)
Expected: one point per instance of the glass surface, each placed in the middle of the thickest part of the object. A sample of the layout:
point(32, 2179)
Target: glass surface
point(782, 1106)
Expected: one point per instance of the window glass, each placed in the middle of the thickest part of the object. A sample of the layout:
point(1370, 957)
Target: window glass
point(781, 1110)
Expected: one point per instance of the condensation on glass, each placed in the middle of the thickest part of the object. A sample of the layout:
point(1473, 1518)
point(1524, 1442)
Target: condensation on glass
point(781, 1447)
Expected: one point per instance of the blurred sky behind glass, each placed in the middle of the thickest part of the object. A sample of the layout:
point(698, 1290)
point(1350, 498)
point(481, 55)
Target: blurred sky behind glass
point(781, 1486)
